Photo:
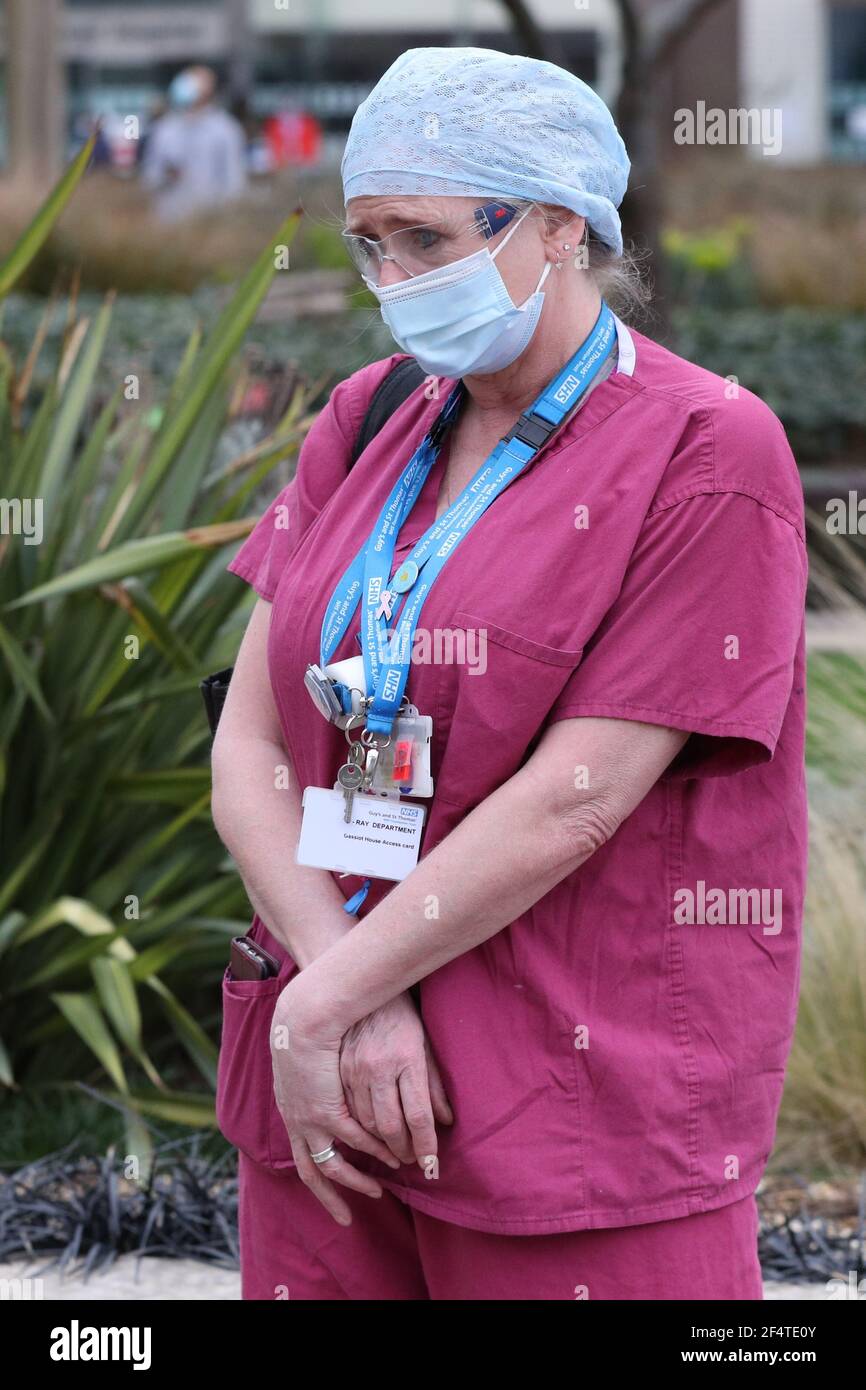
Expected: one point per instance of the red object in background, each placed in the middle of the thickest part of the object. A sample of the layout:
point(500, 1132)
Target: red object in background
point(256, 400)
point(123, 153)
point(292, 137)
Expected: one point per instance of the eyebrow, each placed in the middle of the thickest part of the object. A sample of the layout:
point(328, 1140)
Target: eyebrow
point(390, 220)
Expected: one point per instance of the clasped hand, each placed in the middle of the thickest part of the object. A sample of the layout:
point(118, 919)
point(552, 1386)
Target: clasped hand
point(376, 1088)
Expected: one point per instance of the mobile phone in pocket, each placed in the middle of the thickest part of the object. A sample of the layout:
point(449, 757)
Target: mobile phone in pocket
point(250, 961)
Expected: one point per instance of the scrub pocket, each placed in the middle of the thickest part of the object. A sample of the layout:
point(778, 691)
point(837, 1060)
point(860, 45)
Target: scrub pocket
point(246, 1108)
point(488, 716)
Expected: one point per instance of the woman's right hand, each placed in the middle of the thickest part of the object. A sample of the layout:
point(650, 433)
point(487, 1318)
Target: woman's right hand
point(392, 1083)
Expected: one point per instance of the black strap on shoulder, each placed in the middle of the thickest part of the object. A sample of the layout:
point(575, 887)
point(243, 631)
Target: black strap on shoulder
point(399, 384)
point(391, 392)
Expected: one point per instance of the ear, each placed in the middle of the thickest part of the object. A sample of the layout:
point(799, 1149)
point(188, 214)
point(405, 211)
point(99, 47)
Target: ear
point(562, 226)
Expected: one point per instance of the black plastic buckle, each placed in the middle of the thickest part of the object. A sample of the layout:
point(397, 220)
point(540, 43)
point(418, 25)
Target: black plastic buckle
point(532, 430)
point(439, 430)
point(442, 425)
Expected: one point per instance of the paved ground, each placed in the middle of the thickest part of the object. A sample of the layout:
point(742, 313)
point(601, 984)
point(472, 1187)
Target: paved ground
point(790, 1292)
point(188, 1280)
point(131, 1280)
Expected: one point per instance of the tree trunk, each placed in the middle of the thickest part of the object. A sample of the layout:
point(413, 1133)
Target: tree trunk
point(535, 42)
point(637, 122)
point(36, 84)
point(649, 43)
point(240, 55)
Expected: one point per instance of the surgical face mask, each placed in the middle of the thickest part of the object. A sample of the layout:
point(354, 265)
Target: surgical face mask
point(183, 90)
point(460, 319)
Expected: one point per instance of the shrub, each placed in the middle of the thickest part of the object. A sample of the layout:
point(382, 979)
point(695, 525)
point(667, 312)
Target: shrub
point(116, 896)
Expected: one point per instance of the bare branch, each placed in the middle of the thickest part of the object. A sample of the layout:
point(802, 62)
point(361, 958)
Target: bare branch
point(535, 42)
point(665, 26)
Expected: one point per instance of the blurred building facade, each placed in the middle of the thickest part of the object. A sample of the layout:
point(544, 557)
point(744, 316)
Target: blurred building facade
point(806, 58)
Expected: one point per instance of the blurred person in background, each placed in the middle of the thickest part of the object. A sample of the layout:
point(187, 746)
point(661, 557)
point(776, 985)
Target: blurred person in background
point(195, 155)
point(157, 109)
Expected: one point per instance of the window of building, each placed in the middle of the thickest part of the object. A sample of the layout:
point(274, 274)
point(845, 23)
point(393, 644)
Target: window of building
point(847, 86)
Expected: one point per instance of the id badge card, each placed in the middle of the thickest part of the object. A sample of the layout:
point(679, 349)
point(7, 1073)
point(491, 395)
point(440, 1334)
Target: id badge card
point(381, 840)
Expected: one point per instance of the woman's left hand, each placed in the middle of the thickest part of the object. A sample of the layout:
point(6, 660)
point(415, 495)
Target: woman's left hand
point(312, 1103)
point(392, 1083)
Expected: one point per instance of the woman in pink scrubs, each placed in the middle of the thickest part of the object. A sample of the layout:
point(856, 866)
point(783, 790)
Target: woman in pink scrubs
point(547, 1062)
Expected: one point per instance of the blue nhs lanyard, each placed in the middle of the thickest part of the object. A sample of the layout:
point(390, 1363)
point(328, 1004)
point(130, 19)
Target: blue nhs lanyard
point(387, 656)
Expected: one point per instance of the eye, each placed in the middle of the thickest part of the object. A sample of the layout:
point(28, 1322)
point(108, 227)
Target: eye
point(423, 238)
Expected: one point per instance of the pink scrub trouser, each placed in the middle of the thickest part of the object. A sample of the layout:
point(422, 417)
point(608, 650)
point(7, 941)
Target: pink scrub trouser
point(291, 1248)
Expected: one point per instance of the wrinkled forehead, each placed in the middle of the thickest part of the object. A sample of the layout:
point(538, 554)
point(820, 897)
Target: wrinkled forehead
point(377, 214)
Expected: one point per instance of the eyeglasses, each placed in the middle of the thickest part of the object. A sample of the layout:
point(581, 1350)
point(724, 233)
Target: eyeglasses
point(425, 247)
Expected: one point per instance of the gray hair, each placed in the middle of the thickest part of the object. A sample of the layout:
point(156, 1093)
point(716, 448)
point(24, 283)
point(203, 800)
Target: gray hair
point(622, 280)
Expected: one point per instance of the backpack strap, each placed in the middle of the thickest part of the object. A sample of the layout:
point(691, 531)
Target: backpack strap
point(396, 387)
point(391, 392)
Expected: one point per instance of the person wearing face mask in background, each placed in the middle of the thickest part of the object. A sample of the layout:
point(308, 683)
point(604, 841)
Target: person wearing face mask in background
point(195, 153)
point(492, 1008)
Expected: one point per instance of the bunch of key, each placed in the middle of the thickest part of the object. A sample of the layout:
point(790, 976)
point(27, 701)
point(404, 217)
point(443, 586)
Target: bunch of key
point(357, 774)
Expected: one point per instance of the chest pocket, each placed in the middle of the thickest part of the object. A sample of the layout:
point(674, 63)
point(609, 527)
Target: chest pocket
point(492, 700)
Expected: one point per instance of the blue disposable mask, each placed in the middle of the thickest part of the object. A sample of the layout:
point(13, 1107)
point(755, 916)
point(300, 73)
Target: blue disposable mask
point(460, 319)
point(183, 90)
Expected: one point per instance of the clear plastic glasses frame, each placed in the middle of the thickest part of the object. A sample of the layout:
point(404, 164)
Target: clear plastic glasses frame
point(414, 249)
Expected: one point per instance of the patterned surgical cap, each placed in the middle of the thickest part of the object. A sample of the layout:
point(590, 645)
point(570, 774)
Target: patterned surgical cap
point(448, 121)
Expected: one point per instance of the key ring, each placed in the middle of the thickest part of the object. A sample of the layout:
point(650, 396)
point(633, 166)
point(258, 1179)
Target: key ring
point(371, 739)
point(351, 721)
point(368, 737)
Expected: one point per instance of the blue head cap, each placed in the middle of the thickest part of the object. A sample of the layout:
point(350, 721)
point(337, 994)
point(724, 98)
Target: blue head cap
point(461, 121)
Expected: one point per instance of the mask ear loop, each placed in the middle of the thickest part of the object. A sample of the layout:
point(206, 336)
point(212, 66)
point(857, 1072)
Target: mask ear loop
point(493, 254)
point(509, 233)
point(544, 274)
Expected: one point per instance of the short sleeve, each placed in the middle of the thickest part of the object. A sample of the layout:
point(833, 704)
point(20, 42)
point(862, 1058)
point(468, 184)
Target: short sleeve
point(704, 633)
point(323, 463)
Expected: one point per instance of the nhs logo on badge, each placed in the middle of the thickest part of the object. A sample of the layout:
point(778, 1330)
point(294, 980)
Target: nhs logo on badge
point(567, 389)
point(391, 686)
point(374, 589)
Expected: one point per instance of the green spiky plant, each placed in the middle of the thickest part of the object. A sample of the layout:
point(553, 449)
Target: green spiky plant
point(116, 898)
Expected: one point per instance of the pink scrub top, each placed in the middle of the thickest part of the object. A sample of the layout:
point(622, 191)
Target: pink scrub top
point(615, 1055)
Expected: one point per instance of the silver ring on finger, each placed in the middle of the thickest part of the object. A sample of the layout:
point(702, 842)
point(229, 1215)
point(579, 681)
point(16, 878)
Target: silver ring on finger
point(325, 1154)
